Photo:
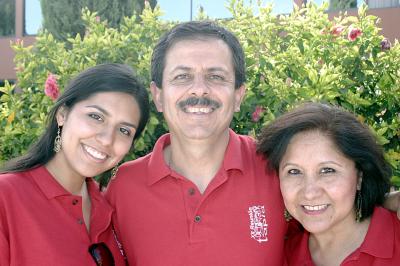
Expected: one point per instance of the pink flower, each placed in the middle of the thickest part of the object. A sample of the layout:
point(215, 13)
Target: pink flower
point(97, 19)
point(256, 115)
point(337, 30)
point(354, 33)
point(51, 87)
point(19, 42)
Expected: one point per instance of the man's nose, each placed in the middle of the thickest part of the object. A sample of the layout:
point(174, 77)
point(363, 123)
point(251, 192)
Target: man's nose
point(200, 87)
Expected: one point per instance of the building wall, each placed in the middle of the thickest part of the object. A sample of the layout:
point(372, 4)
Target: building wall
point(7, 66)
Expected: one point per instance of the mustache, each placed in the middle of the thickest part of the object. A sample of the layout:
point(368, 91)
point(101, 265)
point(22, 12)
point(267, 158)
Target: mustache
point(202, 101)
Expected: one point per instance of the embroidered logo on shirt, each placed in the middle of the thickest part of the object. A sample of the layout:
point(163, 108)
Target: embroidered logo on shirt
point(258, 223)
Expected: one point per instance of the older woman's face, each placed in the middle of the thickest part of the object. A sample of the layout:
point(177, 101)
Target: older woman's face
point(318, 183)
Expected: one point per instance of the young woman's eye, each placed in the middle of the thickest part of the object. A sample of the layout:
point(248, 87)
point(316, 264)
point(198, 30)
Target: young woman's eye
point(96, 117)
point(327, 170)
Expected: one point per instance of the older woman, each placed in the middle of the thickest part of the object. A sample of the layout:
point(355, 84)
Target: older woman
point(333, 178)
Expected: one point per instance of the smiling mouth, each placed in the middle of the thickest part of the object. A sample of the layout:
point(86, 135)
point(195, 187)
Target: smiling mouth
point(313, 208)
point(198, 110)
point(94, 153)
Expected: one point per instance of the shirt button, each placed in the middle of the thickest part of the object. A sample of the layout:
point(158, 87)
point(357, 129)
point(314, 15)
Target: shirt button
point(80, 221)
point(191, 191)
point(75, 201)
point(197, 219)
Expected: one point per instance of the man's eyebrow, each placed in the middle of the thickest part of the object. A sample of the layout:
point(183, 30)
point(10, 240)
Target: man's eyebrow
point(181, 67)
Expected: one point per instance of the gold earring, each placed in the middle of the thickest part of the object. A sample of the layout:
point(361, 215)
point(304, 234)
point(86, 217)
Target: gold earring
point(287, 215)
point(114, 172)
point(57, 141)
point(358, 206)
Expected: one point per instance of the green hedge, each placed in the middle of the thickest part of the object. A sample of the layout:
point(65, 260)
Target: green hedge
point(290, 58)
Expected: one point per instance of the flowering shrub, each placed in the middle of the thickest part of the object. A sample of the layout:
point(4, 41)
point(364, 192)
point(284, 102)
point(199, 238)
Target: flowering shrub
point(290, 58)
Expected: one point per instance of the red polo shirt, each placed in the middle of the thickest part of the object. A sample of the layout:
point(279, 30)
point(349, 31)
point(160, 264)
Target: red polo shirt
point(42, 224)
point(164, 220)
point(381, 246)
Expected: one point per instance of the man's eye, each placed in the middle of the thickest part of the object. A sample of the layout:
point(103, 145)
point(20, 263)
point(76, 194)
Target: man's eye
point(216, 77)
point(96, 117)
point(182, 77)
point(327, 170)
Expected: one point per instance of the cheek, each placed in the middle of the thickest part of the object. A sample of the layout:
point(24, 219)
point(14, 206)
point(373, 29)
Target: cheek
point(289, 191)
point(122, 147)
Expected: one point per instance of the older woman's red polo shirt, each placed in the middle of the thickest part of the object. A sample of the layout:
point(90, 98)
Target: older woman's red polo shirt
point(381, 245)
point(42, 224)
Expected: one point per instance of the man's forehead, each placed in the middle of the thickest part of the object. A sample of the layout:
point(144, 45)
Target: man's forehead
point(182, 53)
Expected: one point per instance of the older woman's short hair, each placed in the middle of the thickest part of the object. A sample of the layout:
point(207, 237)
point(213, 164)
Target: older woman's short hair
point(351, 137)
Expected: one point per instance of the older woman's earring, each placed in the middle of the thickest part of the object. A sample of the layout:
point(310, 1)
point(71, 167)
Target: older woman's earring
point(358, 206)
point(287, 215)
point(57, 141)
point(114, 171)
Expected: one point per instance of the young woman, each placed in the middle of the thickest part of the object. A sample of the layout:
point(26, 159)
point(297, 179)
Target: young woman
point(333, 178)
point(51, 210)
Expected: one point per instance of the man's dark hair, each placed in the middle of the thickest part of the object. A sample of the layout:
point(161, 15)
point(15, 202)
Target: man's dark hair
point(197, 30)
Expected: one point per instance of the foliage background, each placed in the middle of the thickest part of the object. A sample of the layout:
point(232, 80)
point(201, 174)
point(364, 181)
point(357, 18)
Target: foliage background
point(63, 18)
point(290, 58)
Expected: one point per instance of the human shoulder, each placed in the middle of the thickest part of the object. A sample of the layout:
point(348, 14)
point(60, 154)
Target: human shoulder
point(13, 180)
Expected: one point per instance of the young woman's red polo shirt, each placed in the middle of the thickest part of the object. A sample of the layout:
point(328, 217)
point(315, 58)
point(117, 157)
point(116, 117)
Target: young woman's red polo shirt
point(42, 224)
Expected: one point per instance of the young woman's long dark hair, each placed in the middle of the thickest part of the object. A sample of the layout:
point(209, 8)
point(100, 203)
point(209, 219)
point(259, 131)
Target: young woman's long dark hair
point(100, 78)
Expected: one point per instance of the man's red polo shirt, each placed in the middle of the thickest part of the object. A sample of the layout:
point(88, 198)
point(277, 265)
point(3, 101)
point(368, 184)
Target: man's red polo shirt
point(164, 220)
point(42, 224)
point(381, 245)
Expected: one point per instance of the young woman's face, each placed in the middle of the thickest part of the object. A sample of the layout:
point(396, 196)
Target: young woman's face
point(318, 183)
point(96, 133)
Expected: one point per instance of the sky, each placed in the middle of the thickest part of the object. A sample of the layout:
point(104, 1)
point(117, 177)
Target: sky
point(175, 10)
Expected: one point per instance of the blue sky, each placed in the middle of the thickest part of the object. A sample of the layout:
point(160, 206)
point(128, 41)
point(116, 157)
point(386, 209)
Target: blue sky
point(176, 10)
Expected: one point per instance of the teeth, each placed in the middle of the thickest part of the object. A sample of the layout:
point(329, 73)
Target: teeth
point(315, 207)
point(204, 110)
point(96, 154)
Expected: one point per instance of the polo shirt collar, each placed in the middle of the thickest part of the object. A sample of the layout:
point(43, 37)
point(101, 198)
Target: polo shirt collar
point(46, 182)
point(381, 225)
point(158, 168)
point(101, 212)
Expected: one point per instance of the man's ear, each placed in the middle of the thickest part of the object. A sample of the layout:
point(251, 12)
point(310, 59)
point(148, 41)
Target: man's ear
point(156, 93)
point(61, 115)
point(239, 95)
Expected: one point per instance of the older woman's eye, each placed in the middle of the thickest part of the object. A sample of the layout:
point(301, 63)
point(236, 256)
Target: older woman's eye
point(327, 170)
point(293, 172)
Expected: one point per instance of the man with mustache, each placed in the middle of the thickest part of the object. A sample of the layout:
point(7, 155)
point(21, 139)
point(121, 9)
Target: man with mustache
point(203, 196)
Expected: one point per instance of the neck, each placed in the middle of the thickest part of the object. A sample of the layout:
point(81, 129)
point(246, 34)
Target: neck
point(332, 247)
point(71, 182)
point(197, 160)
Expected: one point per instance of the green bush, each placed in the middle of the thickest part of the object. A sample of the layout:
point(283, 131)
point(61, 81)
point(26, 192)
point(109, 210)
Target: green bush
point(290, 58)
